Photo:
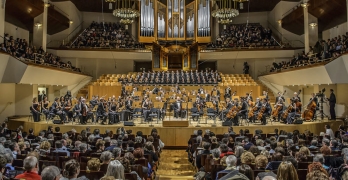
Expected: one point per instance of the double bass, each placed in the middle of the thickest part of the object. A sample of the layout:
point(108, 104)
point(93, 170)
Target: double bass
point(290, 107)
point(230, 113)
point(262, 110)
point(278, 108)
point(310, 109)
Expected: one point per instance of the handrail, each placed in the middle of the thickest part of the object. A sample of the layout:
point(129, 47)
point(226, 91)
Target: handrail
point(262, 81)
point(77, 37)
point(61, 11)
point(66, 40)
point(292, 9)
point(80, 83)
point(7, 104)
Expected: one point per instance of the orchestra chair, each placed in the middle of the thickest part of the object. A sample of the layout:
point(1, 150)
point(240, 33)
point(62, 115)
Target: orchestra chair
point(211, 113)
point(195, 113)
point(137, 113)
point(245, 119)
point(153, 114)
point(30, 117)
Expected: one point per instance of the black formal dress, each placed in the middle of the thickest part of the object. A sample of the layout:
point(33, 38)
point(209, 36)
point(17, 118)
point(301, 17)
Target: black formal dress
point(35, 111)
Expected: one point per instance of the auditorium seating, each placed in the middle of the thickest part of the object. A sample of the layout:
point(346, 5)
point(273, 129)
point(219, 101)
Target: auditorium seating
point(106, 35)
point(227, 79)
point(251, 35)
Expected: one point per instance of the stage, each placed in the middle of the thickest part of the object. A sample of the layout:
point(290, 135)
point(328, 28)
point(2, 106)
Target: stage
point(175, 136)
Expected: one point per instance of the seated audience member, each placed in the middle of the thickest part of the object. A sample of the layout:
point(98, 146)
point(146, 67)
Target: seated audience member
point(246, 170)
point(115, 169)
point(320, 159)
point(72, 170)
point(276, 160)
point(106, 157)
point(45, 148)
point(253, 149)
point(60, 149)
point(224, 150)
point(150, 150)
point(93, 164)
point(31, 167)
point(247, 158)
point(238, 151)
point(15, 149)
point(314, 144)
point(126, 164)
point(261, 162)
point(100, 145)
point(6, 165)
point(301, 157)
point(113, 144)
point(231, 162)
point(247, 144)
point(206, 151)
point(286, 171)
point(51, 173)
point(316, 171)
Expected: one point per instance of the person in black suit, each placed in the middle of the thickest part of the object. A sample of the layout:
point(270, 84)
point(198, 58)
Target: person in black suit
point(279, 96)
point(229, 105)
point(179, 109)
point(267, 111)
point(296, 97)
point(244, 110)
point(57, 109)
point(101, 110)
point(227, 92)
point(332, 102)
point(199, 105)
point(40, 97)
point(35, 110)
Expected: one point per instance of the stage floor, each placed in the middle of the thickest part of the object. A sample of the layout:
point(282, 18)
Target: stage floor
point(176, 136)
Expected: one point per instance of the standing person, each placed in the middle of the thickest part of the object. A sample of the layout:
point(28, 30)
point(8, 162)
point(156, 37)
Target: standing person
point(246, 68)
point(332, 102)
point(35, 109)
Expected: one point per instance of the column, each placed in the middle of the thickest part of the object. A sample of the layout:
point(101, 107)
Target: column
point(44, 26)
point(2, 19)
point(306, 28)
point(347, 11)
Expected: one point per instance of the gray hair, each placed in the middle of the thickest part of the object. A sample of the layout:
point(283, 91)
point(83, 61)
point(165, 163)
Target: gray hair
point(290, 142)
point(65, 136)
point(207, 131)
point(238, 151)
point(42, 133)
point(195, 132)
point(344, 151)
point(269, 178)
point(216, 153)
point(107, 139)
point(106, 156)
point(231, 161)
point(77, 144)
point(91, 138)
point(30, 163)
point(326, 141)
point(138, 139)
point(9, 157)
point(83, 147)
point(50, 173)
point(2, 139)
point(117, 152)
point(319, 158)
point(50, 136)
point(115, 169)
point(265, 153)
point(2, 149)
point(113, 142)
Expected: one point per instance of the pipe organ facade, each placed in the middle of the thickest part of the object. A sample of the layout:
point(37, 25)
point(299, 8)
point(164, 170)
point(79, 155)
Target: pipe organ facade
point(175, 20)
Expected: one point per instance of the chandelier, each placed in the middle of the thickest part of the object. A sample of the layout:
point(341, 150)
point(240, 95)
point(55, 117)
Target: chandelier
point(126, 12)
point(241, 3)
point(226, 11)
point(110, 3)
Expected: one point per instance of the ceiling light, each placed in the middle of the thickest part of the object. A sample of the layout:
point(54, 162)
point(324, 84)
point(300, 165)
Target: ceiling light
point(47, 5)
point(38, 24)
point(29, 10)
point(71, 22)
point(304, 5)
point(110, 3)
point(279, 21)
point(313, 24)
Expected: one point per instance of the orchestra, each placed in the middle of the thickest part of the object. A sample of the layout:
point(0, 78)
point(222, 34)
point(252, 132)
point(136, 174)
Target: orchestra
point(114, 109)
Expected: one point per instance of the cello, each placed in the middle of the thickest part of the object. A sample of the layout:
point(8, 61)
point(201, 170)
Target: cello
point(290, 107)
point(230, 112)
point(310, 109)
point(277, 107)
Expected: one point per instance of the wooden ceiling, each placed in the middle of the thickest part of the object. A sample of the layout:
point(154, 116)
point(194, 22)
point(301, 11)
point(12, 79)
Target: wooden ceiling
point(21, 13)
point(96, 5)
point(330, 13)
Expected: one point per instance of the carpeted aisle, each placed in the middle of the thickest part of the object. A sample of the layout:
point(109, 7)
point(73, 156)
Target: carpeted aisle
point(174, 164)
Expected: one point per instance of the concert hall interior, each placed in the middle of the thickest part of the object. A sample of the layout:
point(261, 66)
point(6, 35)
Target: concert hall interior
point(259, 79)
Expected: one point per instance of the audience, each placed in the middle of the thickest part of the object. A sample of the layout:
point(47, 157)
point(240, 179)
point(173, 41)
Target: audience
point(31, 167)
point(106, 35)
point(20, 49)
point(322, 51)
point(244, 35)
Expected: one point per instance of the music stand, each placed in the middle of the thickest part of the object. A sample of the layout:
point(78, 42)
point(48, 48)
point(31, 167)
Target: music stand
point(159, 106)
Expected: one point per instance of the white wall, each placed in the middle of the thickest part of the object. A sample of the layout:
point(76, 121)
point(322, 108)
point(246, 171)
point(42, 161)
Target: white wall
point(252, 17)
point(16, 32)
point(335, 31)
point(74, 14)
point(7, 101)
point(37, 32)
point(89, 17)
point(24, 95)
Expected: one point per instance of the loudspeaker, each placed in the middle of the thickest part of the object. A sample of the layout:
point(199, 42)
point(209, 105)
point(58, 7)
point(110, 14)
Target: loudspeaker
point(57, 122)
point(227, 123)
point(298, 121)
point(128, 123)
